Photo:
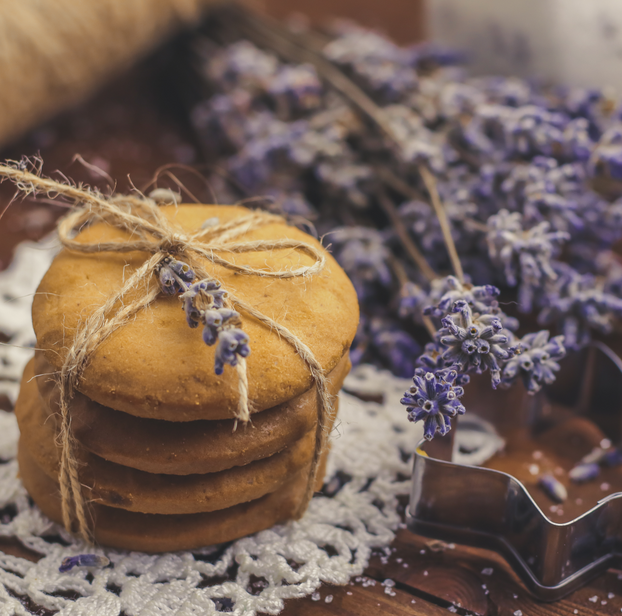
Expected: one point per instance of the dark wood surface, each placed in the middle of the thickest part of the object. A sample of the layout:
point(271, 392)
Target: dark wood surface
point(125, 132)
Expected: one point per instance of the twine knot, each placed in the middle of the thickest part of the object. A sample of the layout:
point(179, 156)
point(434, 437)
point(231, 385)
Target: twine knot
point(174, 244)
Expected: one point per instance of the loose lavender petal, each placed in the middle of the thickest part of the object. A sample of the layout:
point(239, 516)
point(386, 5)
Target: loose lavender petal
point(83, 560)
point(553, 488)
point(584, 472)
point(612, 457)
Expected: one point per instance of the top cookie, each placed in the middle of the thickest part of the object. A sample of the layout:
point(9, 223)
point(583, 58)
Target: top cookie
point(156, 366)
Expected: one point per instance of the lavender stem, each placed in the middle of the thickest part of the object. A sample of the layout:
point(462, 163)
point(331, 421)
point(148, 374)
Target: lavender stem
point(430, 183)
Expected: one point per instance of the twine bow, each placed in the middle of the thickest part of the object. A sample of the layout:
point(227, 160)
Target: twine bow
point(150, 231)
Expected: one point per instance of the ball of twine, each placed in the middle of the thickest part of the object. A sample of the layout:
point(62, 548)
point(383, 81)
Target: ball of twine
point(53, 53)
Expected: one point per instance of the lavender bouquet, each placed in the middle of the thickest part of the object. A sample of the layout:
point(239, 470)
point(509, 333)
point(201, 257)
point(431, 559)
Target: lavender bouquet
point(443, 196)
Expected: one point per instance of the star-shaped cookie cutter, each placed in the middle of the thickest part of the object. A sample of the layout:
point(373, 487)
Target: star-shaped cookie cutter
point(490, 509)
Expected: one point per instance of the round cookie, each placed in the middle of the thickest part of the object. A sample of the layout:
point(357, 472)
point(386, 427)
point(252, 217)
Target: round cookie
point(156, 366)
point(156, 446)
point(119, 486)
point(166, 533)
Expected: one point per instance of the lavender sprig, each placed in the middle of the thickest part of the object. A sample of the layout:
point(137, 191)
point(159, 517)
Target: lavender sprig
point(475, 342)
point(577, 303)
point(174, 276)
point(434, 399)
point(536, 361)
point(525, 254)
point(203, 303)
point(481, 299)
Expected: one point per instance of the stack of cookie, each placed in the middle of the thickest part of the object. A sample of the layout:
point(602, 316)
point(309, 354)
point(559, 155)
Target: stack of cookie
point(164, 463)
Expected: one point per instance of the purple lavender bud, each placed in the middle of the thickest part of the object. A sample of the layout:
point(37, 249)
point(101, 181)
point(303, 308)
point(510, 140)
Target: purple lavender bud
point(595, 456)
point(167, 280)
point(474, 344)
point(174, 276)
point(584, 472)
point(182, 270)
point(613, 457)
point(193, 316)
point(535, 362)
point(212, 320)
point(83, 560)
point(231, 343)
point(553, 488)
point(434, 399)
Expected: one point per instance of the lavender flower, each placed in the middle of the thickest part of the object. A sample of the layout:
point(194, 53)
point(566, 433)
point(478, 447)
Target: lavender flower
point(606, 159)
point(231, 343)
point(535, 361)
point(83, 560)
point(203, 304)
point(584, 472)
point(423, 222)
point(553, 487)
point(578, 144)
point(242, 64)
point(362, 254)
point(480, 299)
point(396, 347)
point(174, 276)
point(346, 178)
point(578, 303)
point(296, 88)
point(222, 121)
point(419, 146)
point(531, 130)
point(431, 360)
point(525, 254)
point(201, 296)
point(434, 399)
point(475, 343)
point(413, 301)
point(545, 190)
point(375, 61)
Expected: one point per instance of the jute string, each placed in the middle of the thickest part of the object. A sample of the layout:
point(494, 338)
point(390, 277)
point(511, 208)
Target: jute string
point(151, 232)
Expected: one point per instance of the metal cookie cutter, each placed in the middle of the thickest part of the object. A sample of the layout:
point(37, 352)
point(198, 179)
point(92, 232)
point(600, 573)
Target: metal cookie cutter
point(491, 509)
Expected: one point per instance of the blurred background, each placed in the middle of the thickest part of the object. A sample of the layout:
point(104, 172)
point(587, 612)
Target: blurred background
point(99, 80)
point(114, 81)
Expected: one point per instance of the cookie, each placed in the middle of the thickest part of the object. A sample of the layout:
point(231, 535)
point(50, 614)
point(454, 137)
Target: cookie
point(157, 446)
point(155, 366)
point(114, 485)
point(166, 533)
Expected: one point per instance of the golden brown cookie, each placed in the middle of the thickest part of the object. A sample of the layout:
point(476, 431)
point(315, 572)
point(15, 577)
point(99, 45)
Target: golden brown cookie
point(156, 446)
point(120, 486)
point(165, 533)
point(156, 366)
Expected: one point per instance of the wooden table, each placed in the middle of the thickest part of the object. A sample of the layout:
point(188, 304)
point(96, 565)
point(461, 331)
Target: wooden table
point(124, 131)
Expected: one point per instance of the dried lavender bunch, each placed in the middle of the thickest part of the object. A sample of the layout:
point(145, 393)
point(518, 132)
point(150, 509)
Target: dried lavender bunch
point(513, 163)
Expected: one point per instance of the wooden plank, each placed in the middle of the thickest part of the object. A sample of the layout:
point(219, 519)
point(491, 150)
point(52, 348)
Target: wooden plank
point(481, 582)
point(363, 598)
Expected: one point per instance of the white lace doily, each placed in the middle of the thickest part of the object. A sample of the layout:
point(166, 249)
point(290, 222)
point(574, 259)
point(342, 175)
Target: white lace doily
point(331, 543)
